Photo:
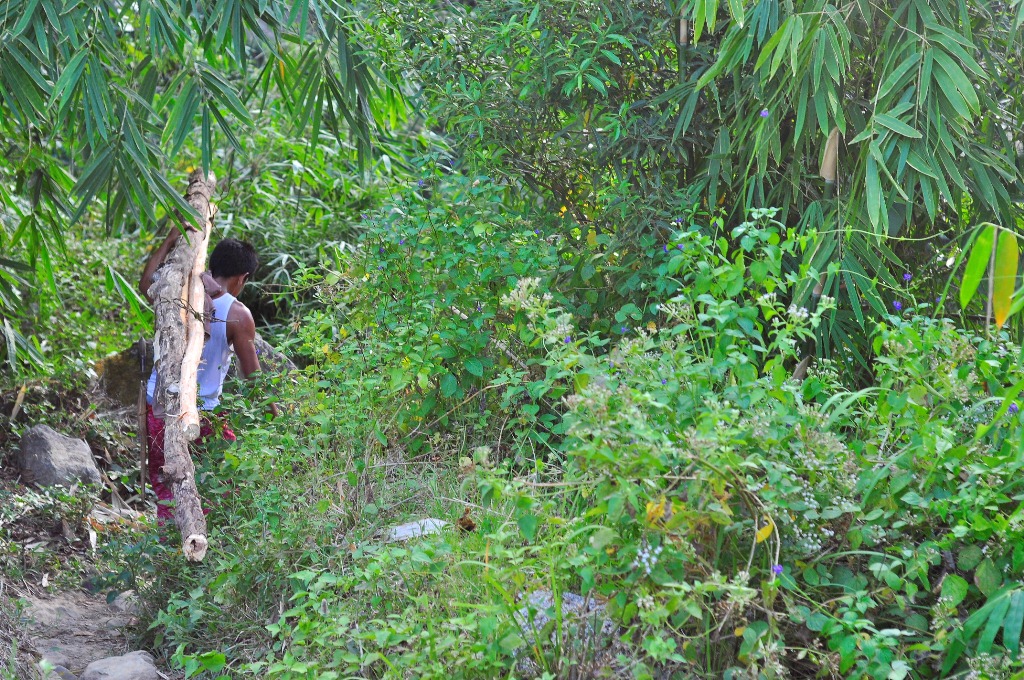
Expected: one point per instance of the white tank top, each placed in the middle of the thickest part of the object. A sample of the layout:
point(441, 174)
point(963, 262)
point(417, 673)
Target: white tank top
point(215, 360)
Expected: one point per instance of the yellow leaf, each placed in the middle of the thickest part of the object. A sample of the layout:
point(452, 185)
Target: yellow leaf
point(280, 66)
point(764, 532)
point(739, 631)
point(1005, 278)
point(655, 511)
point(591, 238)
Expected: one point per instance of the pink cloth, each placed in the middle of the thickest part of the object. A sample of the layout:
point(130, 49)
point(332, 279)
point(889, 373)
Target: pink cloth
point(155, 435)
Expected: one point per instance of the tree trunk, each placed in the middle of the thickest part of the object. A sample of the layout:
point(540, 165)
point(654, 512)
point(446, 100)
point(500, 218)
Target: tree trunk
point(178, 300)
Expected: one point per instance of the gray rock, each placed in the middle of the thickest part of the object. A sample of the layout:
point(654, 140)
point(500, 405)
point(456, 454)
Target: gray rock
point(46, 457)
point(583, 615)
point(133, 666)
point(421, 527)
point(55, 673)
point(126, 603)
point(589, 639)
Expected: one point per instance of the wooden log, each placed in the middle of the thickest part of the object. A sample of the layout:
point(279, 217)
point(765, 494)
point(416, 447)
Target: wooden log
point(178, 300)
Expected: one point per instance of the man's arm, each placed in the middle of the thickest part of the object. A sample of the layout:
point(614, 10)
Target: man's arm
point(241, 334)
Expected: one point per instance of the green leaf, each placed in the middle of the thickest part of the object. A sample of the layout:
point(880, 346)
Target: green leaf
point(954, 589)
point(898, 74)
point(474, 367)
point(511, 643)
point(981, 252)
point(213, 662)
point(602, 537)
point(449, 386)
point(994, 623)
point(897, 126)
point(1005, 276)
point(736, 10)
point(958, 78)
point(969, 557)
point(528, 526)
point(873, 195)
point(1013, 623)
point(987, 577)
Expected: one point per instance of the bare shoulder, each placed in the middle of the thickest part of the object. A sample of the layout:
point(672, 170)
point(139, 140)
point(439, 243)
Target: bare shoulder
point(241, 325)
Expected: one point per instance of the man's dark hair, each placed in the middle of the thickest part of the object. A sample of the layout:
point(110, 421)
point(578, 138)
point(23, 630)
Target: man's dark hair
point(232, 257)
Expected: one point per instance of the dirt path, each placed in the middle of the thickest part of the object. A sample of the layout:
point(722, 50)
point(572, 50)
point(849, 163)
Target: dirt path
point(74, 629)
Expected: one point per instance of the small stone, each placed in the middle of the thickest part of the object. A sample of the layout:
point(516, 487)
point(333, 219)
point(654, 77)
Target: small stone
point(46, 457)
point(422, 527)
point(133, 666)
point(126, 603)
point(56, 673)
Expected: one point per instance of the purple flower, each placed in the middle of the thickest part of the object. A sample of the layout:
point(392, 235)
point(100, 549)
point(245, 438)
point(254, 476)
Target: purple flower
point(678, 220)
point(624, 329)
point(401, 241)
point(664, 381)
point(777, 569)
point(764, 113)
point(897, 305)
point(665, 248)
point(1014, 408)
point(568, 339)
point(907, 276)
point(365, 216)
point(537, 232)
point(420, 183)
point(679, 245)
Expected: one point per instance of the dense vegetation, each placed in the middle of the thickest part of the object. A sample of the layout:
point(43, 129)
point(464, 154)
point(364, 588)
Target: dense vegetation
point(705, 312)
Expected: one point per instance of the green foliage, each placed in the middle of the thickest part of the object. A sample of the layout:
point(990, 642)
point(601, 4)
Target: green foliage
point(732, 522)
point(99, 100)
point(577, 320)
point(630, 115)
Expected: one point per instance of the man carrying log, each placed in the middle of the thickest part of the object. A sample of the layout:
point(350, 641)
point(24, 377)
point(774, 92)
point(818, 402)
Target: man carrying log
point(229, 328)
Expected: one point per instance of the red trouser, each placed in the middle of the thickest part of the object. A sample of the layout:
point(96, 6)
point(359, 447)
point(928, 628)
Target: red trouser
point(155, 426)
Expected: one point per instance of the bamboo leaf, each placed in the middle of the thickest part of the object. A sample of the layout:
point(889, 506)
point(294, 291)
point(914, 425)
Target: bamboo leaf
point(736, 10)
point(994, 622)
point(1005, 276)
point(958, 78)
point(897, 126)
point(981, 251)
point(873, 193)
point(1013, 623)
point(898, 75)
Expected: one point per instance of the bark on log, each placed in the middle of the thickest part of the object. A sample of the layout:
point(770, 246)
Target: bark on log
point(178, 300)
